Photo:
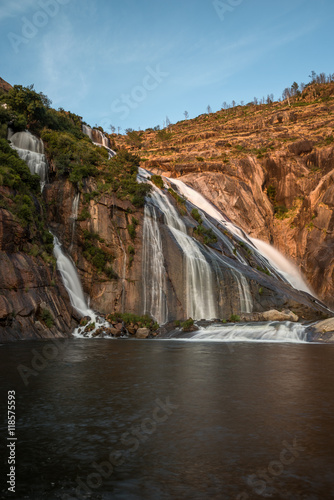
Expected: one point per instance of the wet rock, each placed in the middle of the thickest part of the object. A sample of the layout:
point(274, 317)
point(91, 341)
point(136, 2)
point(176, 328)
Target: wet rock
point(325, 326)
point(274, 315)
point(85, 320)
point(90, 327)
point(131, 329)
point(142, 333)
point(98, 332)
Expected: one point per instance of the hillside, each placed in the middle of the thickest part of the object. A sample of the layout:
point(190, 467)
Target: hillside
point(268, 167)
point(139, 247)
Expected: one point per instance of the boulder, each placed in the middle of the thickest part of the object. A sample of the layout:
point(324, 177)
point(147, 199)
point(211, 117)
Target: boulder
point(325, 326)
point(142, 333)
point(274, 315)
point(299, 147)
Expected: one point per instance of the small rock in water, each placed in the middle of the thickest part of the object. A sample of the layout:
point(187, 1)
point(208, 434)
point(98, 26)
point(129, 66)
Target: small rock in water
point(98, 332)
point(90, 327)
point(142, 333)
point(85, 320)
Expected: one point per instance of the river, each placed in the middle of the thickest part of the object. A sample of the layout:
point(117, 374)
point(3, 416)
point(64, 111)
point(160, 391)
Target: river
point(165, 419)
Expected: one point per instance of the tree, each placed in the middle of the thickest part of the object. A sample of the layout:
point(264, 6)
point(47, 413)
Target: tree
point(286, 95)
point(25, 101)
point(224, 105)
point(295, 88)
point(133, 138)
point(233, 103)
point(209, 109)
point(255, 101)
point(312, 76)
point(167, 122)
point(112, 128)
point(186, 115)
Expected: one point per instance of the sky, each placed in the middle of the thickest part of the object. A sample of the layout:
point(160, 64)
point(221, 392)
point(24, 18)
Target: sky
point(131, 63)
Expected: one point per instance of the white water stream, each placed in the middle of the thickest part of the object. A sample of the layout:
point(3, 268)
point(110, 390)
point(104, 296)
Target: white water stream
point(31, 150)
point(284, 267)
point(252, 332)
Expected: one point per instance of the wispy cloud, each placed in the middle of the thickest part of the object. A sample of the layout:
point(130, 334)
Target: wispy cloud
point(11, 9)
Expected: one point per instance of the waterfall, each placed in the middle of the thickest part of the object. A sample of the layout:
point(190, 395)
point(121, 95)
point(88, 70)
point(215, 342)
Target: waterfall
point(75, 207)
point(284, 267)
point(200, 292)
point(74, 217)
point(31, 150)
point(199, 283)
point(154, 273)
point(280, 266)
point(71, 281)
point(99, 139)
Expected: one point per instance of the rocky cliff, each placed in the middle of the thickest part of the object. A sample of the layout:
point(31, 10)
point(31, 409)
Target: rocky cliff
point(160, 256)
point(33, 301)
point(269, 168)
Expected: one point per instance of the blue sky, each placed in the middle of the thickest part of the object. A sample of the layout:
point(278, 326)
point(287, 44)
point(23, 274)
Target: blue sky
point(131, 63)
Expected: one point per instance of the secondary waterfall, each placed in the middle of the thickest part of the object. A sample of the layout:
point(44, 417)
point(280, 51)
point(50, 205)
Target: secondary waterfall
point(284, 266)
point(98, 138)
point(31, 150)
point(71, 281)
point(74, 216)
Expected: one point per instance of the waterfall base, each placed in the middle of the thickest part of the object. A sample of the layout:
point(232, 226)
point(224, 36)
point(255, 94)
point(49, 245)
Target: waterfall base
point(274, 331)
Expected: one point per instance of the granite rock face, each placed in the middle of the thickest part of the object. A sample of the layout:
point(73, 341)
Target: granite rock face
point(29, 287)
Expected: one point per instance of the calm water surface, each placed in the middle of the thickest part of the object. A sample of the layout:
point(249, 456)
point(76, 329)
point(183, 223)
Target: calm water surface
point(171, 420)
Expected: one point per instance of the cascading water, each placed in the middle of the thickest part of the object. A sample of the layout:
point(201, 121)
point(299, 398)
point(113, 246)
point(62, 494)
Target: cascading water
point(154, 273)
point(98, 138)
point(248, 332)
point(284, 266)
point(280, 265)
point(31, 150)
point(71, 281)
point(74, 216)
point(200, 290)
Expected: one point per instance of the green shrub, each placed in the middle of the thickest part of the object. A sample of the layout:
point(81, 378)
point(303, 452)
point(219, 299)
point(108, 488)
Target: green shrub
point(196, 215)
point(234, 318)
point(132, 231)
point(180, 201)
point(46, 316)
point(144, 321)
point(84, 215)
point(271, 193)
point(164, 136)
point(187, 325)
point(280, 211)
point(98, 257)
point(263, 270)
point(134, 138)
point(157, 180)
point(199, 158)
point(206, 235)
